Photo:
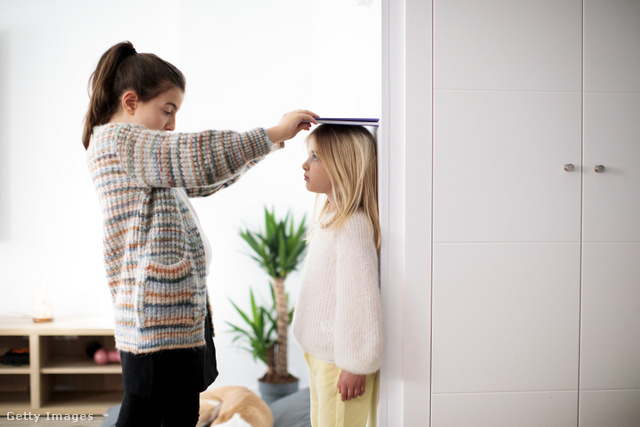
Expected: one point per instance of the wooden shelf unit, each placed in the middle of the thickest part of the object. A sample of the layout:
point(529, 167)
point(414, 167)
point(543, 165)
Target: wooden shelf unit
point(61, 377)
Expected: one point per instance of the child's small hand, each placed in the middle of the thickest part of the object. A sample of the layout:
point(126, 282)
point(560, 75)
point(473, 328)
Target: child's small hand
point(290, 124)
point(351, 385)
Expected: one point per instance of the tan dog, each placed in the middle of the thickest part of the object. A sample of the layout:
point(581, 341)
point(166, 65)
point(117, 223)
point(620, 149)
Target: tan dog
point(234, 400)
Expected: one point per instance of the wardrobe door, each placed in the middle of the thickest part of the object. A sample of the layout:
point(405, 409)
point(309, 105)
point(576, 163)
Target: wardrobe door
point(506, 212)
point(610, 342)
point(499, 166)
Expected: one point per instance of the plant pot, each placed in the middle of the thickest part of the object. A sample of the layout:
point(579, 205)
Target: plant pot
point(272, 392)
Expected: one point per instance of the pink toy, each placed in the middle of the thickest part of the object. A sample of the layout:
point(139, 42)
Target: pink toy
point(113, 356)
point(101, 357)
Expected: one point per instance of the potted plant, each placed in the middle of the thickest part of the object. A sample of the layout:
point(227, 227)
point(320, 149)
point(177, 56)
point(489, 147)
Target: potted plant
point(259, 332)
point(278, 249)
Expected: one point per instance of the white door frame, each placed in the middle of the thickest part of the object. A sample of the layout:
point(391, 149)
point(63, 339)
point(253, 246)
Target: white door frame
point(405, 178)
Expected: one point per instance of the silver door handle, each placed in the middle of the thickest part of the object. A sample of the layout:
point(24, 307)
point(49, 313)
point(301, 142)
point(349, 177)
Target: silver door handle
point(569, 167)
point(599, 168)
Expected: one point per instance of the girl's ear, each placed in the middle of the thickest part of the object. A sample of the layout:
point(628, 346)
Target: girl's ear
point(130, 102)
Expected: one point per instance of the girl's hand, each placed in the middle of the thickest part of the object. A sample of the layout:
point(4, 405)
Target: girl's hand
point(351, 385)
point(290, 124)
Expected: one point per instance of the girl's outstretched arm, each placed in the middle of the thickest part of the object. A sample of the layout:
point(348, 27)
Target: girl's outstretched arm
point(191, 160)
point(290, 124)
point(167, 159)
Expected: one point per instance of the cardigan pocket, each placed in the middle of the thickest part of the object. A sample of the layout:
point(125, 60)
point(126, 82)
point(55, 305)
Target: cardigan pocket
point(170, 296)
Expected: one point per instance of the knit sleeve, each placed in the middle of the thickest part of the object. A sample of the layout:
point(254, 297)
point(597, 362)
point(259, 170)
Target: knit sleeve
point(208, 190)
point(208, 160)
point(358, 320)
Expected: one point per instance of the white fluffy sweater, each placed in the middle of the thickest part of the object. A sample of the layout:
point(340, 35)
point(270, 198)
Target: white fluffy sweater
point(338, 316)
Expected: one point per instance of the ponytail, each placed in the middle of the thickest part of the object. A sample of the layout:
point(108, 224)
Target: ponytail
point(103, 101)
point(120, 69)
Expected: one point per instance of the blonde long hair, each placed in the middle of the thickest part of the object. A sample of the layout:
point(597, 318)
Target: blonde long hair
point(348, 154)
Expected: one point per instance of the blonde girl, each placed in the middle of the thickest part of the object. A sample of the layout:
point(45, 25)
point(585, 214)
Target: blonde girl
point(156, 256)
point(338, 316)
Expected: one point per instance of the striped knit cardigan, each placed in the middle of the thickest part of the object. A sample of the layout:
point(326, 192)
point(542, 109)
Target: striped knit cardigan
point(153, 253)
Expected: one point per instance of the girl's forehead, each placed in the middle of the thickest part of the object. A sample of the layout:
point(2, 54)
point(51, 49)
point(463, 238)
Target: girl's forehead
point(173, 96)
point(311, 143)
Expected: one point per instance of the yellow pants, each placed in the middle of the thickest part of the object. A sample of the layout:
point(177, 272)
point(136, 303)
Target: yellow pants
point(327, 407)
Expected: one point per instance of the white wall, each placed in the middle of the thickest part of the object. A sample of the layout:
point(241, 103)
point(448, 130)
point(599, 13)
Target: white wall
point(246, 62)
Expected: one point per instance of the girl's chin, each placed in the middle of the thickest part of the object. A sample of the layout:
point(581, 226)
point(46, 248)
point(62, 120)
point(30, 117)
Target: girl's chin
point(310, 188)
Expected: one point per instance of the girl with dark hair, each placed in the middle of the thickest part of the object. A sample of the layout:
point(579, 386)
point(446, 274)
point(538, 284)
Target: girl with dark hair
point(156, 256)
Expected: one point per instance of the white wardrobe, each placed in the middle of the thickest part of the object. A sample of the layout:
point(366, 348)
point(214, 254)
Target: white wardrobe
point(535, 210)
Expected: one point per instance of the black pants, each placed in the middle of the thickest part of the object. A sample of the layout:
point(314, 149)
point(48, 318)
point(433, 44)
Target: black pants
point(163, 388)
point(174, 410)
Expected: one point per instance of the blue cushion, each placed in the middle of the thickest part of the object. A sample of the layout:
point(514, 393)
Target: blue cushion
point(292, 410)
point(111, 416)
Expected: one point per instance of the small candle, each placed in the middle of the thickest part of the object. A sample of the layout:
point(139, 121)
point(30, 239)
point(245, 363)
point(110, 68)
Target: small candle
point(42, 306)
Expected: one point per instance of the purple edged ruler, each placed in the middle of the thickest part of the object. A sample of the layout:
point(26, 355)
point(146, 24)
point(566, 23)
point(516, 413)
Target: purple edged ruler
point(347, 121)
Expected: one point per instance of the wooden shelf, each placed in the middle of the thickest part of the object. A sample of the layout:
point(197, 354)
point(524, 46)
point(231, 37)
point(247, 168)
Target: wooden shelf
point(15, 326)
point(62, 403)
point(14, 401)
point(10, 369)
point(61, 377)
point(75, 366)
point(82, 403)
point(9, 342)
